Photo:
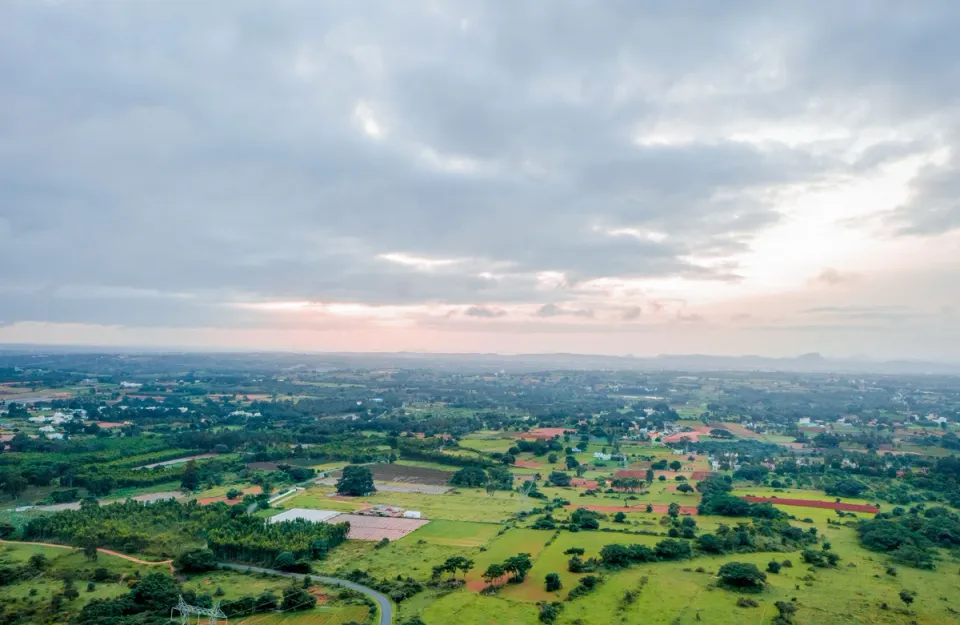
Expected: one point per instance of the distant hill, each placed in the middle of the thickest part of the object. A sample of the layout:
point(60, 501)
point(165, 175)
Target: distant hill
point(46, 356)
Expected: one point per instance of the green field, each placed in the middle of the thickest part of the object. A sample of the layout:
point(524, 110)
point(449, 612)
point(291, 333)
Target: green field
point(457, 533)
point(321, 615)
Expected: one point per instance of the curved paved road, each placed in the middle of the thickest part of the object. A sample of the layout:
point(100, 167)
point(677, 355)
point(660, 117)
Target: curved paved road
point(386, 609)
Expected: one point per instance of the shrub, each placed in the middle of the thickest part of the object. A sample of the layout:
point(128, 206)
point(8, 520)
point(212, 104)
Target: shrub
point(747, 602)
point(742, 575)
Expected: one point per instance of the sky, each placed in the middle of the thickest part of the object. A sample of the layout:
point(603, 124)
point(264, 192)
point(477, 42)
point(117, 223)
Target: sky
point(618, 177)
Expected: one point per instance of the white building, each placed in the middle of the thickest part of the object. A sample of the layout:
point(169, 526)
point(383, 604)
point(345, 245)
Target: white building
point(316, 516)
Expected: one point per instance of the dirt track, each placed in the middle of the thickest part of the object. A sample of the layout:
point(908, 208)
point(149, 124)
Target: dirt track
point(109, 552)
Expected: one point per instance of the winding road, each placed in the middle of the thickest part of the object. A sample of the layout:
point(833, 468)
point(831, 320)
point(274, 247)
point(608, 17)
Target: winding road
point(386, 608)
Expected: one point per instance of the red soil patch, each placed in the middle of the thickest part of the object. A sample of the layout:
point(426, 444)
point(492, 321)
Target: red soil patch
point(700, 475)
point(543, 433)
point(693, 437)
point(105, 425)
point(657, 508)
point(583, 483)
point(527, 464)
point(253, 490)
point(809, 503)
point(641, 474)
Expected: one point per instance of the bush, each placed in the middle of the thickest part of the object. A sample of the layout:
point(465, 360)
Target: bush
point(746, 602)
point(553, 582)
point(743, 575)
point(297, 599)
point(773, 567)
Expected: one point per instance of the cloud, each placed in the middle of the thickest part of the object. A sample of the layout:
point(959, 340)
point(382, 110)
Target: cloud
point(484, 312)
point(421, 155)
point(553, 310)
point(832, 277)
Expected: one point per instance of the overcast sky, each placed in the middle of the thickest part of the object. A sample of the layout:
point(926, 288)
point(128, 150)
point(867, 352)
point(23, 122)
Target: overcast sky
point(540, 176)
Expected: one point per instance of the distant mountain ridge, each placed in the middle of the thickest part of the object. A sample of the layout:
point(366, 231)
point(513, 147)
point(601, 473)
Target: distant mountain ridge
point(37, 355)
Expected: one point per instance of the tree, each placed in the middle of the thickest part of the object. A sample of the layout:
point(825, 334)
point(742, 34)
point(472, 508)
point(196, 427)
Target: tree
point(572, 463)
point(553, 582)
point(558, 478)
point(191, 477)
point(494, 572)
point(285, 561)
point(198, 561)
point(90, 549)
point(471, 477)
point(552, 458)
point(70, 590)
point(620, 517)
point(649, 507)
point(518, 565)
point(38, 562)
point(673, 510)
point(650, 476)
point(684, 488)
point(676, 465)
point(743, 575)
point(295, 598)
point(234, 493)
point(356, 481)
point(907, 597)
point(773, 567)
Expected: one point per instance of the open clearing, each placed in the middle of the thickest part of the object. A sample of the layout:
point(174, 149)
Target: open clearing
point(377, 528)
point(458, 533)
point(414, 475)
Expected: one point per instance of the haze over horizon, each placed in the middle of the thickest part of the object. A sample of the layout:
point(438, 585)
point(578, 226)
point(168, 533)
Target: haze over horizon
point(642, 178)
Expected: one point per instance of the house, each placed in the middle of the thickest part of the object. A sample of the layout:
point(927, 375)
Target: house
point(131, 385)
point(601, 456)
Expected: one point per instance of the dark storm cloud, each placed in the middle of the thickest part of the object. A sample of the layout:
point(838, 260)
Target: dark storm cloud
point(192, 155)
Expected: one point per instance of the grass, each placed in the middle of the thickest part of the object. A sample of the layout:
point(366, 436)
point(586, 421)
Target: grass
point(321, 615)
point(509, 544)
point(457, 533)
point(468, 504)
point(72, 562)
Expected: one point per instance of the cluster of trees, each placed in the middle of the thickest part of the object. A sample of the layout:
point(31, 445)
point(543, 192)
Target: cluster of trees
point(514, 569)
point(151, 597)
point(398, 589)
point(762, 535)
point(911, 536)
point(162, 527)
point(251, 539)
point(452, 565)
point(165, 527)
point(492, 478)
point(717, 500)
